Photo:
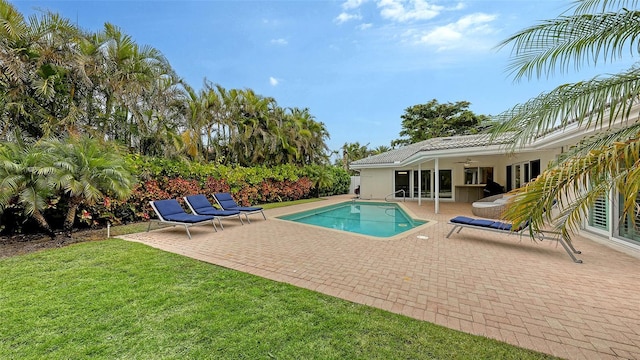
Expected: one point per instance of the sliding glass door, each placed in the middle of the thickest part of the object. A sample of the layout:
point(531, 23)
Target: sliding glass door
point(425, 184)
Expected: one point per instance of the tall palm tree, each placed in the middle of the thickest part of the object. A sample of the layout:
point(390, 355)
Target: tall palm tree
point(597, 31)
point(41, 75)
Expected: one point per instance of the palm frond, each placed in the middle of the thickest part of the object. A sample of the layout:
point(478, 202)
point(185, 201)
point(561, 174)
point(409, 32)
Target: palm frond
point(590, 6)
point(592, 103)
point(576, 183)
point(569, 42)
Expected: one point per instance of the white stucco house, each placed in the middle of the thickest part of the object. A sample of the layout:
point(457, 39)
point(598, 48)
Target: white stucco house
point(457, 168)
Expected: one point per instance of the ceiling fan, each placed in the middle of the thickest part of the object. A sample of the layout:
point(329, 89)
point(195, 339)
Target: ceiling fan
point(467, 162)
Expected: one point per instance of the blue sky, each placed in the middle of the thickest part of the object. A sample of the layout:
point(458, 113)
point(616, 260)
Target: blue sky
point(356, 64)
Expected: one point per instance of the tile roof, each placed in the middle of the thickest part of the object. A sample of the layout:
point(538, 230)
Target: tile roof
point(434, 144)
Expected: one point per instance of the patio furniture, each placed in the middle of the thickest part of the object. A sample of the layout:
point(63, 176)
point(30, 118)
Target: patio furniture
point(200, 205)
point(490, 207)
point(460, 222)
point(170, 212)
point(226, 202)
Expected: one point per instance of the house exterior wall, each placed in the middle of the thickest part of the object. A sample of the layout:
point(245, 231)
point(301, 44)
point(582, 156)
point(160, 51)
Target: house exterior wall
point(376, 183)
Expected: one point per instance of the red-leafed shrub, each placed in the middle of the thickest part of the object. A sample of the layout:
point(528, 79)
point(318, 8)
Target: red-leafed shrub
point(179, 187)
point(213, 185)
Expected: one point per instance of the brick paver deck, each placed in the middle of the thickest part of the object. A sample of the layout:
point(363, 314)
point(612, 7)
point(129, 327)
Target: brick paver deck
point(503, 287)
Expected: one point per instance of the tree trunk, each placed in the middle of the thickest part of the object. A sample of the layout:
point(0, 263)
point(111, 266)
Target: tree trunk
point(74, 203)
point(43, 223)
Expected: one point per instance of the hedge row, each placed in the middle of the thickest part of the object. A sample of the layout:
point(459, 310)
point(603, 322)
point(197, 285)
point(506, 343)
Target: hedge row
point(166, 179)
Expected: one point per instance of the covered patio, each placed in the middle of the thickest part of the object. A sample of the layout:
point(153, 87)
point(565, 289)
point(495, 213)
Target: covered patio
point(504, 287)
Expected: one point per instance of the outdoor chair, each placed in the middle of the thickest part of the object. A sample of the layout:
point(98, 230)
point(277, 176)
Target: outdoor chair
point(170, 212)
point(226, 202)
point(490, 207)
point(460, 222)
point(200, 205)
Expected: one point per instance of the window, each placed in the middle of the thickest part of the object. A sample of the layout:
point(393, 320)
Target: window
point(630, 225)
point(478, 175)
point(599, 214)
point(519, 174)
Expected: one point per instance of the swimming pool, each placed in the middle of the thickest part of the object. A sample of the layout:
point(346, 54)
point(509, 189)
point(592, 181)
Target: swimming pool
point(367, 218)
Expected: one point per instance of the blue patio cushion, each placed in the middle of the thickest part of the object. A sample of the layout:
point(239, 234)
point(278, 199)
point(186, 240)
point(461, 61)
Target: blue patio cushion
point(199, 202)
point(217, 212)
point(462, 220)
point(501, 226)
point(168, 207)
point(482, 222)
point(188, 218)
point(202, 206)
point(171, 210)
point(226, 201)
point(248, 208)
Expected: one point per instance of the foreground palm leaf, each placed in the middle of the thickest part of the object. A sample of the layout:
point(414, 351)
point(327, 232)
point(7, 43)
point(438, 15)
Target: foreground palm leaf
point(597, 31)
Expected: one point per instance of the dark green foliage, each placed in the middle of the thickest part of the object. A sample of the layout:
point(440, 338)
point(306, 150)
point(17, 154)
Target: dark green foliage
point(431, 120)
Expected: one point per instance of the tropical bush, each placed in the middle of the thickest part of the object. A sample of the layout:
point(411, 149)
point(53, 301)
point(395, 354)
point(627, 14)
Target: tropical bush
point(52, 199)
point(63, 175)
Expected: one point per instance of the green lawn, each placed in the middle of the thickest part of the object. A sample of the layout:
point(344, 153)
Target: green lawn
point(115, 299)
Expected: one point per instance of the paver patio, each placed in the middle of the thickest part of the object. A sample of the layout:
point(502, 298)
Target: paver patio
point(503, 287)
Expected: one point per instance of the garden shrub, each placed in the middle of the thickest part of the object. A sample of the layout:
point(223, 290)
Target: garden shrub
point(170, 179)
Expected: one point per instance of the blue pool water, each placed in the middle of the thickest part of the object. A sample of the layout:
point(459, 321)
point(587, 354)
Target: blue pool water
point(374, 219)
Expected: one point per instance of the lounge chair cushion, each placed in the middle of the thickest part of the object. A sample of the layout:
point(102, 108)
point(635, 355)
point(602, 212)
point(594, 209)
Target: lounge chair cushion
point(482, 222)
point(501, 226)
point(226, 202)
point(202, 206)
point(471, 221)
point(462, 220)
point(171, 210)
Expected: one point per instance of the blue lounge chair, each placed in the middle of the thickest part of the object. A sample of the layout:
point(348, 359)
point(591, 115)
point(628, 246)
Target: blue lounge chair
point(200, 205)
point(170, 212)
point(226, 202)
point(460, 222)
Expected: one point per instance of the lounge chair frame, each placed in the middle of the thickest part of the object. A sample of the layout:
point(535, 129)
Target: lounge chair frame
point(544, 235)
point(205, 219)
point(219, 217)
point(246, 210)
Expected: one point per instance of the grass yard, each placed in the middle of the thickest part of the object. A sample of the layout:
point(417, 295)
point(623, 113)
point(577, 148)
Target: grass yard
point(115, 299)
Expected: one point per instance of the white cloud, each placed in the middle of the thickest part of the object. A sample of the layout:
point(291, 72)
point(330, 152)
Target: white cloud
point(365, 26)
point(344, 17)
point(352, 4)
point(273, 81)
point(279, 42)
point(407, 10)
point(466, 32)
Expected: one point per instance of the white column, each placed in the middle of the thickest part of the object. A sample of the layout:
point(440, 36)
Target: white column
point(419, 184)
point(437, 186)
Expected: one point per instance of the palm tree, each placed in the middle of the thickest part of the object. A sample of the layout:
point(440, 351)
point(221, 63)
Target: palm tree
point(352, 152)
point(380, 149)
point(597, 31)
point(41, 74)
point(86, 172)
point(25, 172)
